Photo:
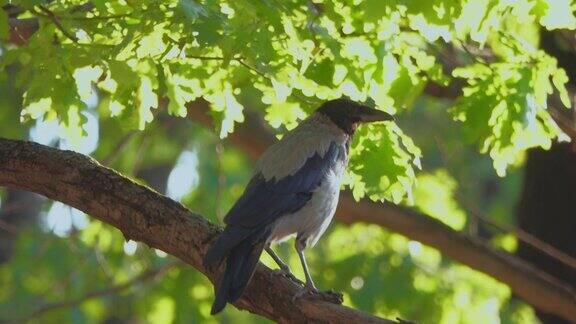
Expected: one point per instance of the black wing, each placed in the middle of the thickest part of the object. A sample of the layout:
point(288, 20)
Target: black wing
point(264, 201)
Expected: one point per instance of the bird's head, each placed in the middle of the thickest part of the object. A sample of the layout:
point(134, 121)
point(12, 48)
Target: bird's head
point(348, 114)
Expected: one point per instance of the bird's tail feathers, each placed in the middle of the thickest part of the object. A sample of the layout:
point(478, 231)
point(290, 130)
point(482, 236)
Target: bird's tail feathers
point(228, 240)
point(240, 266)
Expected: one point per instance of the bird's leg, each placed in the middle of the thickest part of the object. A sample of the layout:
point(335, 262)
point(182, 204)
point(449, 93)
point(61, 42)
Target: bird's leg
point(284, 269)
point(309, 282)
point(283, 266)
point(310, 288)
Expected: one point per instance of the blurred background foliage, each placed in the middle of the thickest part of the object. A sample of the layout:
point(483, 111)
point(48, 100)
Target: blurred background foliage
point(111, 79)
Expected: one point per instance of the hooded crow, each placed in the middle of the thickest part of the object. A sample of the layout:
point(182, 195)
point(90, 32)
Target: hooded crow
point(294, 191)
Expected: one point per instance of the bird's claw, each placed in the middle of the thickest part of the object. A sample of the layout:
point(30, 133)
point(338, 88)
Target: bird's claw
point(331, 296)
point(287, 274)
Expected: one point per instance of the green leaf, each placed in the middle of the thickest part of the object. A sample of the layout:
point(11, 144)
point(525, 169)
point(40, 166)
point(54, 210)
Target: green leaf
point(435, 195)
point(382, 163)
point(284, 113)
point(180, 90)
point(85, 78)
point(147, 100)
point(228, 109)
point(4, 28)
point(560, 79)
point(37, 109)
point(192, 9)
point(162, 311)
point(72, 126)
point(504, 107)
point(321, 72)
point(556, 14)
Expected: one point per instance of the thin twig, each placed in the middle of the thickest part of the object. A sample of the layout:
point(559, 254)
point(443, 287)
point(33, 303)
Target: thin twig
point(120, 147)
point(236, 59)
point(50, 15)
point(523, 236)
point(253, 69)
point(97, 17)
point(85, 7)
point(563, 122)
point(207, 58)
point(60, 286)
point(249, 67)
point(140, 154)
point(146, 276)
point(219, 180)
point(520, 234)
point(101, 260)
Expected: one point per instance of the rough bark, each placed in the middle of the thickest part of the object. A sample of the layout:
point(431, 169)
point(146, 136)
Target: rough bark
point(144, 215)
point(534, 286)
point(546, 210)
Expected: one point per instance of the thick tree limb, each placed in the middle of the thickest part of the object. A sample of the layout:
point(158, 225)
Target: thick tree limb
point(144, 215)
point(534, 286)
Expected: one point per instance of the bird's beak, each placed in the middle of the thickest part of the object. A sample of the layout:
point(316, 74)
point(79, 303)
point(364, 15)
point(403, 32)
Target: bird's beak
point(368, 115)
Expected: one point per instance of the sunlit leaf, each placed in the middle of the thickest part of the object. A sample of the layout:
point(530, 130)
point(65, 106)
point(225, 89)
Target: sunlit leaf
point(4, 28)
point(556, 14)
point(435, 195)
point(504, 107)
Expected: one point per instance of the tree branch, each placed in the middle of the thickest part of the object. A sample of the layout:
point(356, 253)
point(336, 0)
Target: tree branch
point(149, 275)
point(534, 286)
point(144, 215)
point(56, 20)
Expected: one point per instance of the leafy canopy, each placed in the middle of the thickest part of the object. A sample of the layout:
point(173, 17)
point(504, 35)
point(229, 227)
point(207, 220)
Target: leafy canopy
point(285, 58)
point(289, 56)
